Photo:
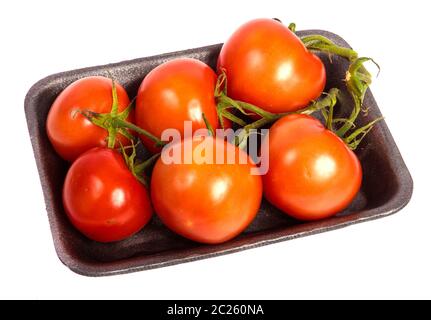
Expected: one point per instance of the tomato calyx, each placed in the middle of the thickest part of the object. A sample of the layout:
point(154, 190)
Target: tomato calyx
point(225, 103)
point(116, 122)
point(106, 120)
point(137, 167)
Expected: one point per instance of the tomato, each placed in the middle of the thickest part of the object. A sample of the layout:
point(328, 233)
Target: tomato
point(70, 132)
point(206, 202)
point(267, 65)
point(103, 199)
point(312, 173)
point(176, 91)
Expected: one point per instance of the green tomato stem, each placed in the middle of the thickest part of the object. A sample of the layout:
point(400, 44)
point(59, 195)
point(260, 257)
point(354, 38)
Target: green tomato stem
point(358, 79)
point(120, 123)
point(321, 43)
point(223, 102)
point(226, 114)
point(292, 27)
point(328, 101)
point(208, 125)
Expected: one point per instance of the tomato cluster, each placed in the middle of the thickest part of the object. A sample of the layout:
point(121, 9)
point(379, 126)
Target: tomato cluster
point(266, 76)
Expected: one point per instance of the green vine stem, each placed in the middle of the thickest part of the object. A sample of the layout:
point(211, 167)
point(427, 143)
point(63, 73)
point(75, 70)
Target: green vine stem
point(112, 132)
point(358, 79)
point(225, 102)
point(120, 123)
point(208, 125)
point(328, 101)
point(292, 27)
point(354, 139)
point(320, 43)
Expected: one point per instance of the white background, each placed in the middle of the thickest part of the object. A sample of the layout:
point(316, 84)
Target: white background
point(388, 258)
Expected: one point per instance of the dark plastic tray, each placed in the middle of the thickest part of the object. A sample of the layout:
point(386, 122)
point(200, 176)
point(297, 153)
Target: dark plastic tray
point(387, 185)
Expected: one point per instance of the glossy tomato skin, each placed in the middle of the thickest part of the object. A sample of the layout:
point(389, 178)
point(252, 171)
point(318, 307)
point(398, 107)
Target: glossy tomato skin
point(70, 133)
point(267, 65)
point(207, 203)
point(103, 199)
point(173, 92)
point(312, 173)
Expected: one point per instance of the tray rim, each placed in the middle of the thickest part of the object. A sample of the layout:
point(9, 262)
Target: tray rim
point(398, 201)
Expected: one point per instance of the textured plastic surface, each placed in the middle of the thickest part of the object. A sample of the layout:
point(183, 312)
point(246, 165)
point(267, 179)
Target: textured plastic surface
point(387, 184)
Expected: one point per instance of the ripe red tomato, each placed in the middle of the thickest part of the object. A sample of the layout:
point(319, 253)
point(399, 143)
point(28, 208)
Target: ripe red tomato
point(312, 173)
point(173, 92)
point(103, 199)
point(209, 202)
point(70, 133)
point(267, 65)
